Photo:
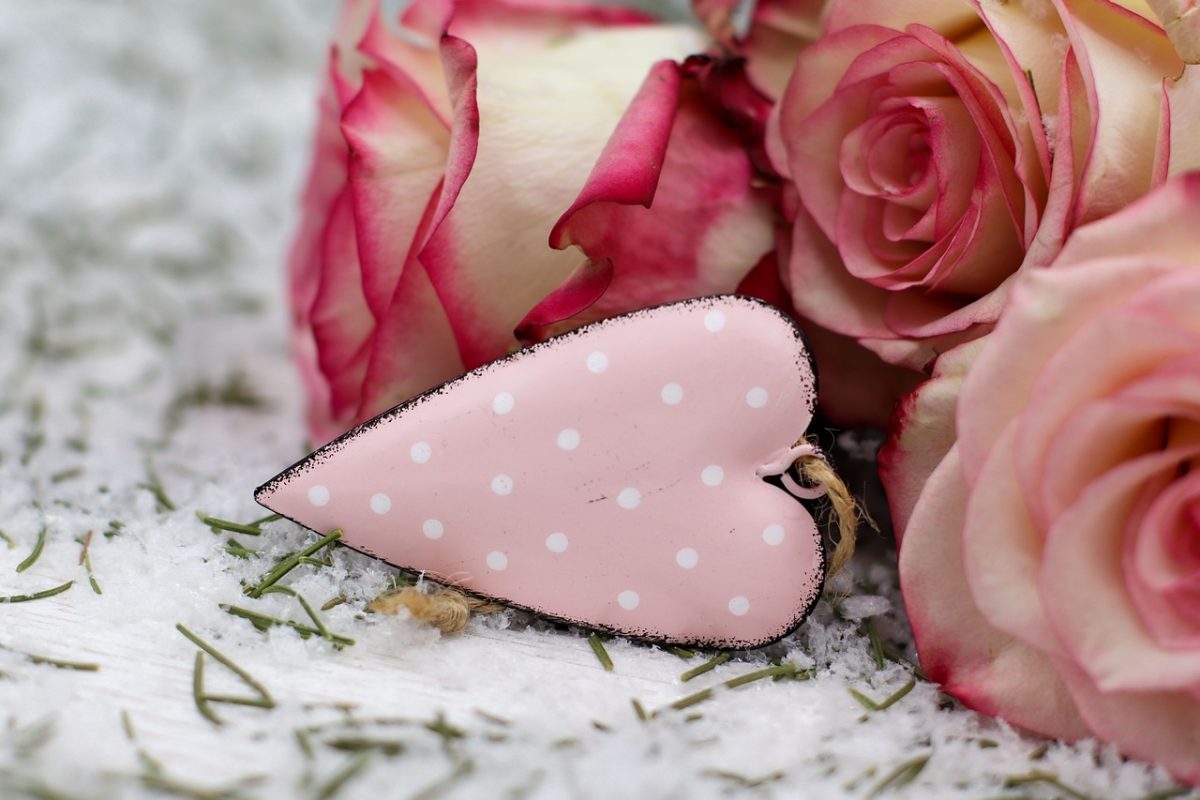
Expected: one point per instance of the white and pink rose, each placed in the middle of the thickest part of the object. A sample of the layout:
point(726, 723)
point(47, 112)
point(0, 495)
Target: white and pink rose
point(468, 154)
point(938, 149)
point(1050, 560)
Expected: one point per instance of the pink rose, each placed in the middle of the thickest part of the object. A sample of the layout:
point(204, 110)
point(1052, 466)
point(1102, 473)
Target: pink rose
point(459, 161)
point(1050, 563)
point(937, 149)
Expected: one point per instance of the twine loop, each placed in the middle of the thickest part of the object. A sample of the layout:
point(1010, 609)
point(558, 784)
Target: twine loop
point(820, 480)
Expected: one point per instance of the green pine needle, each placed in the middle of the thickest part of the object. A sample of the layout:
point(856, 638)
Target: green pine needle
point(38, 546)
point(901, 776)
point(707, 666)
point(289, 563)
point(601, 653)
point(42, 595)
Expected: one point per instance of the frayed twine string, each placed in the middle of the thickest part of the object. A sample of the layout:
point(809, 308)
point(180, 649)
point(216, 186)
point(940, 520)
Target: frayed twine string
point(445, 608)
point(819, 481)
point(449, 609)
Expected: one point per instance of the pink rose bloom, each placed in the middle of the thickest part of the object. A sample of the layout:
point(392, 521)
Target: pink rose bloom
point(1051, 561)
point(466, 157)
point(937, 149)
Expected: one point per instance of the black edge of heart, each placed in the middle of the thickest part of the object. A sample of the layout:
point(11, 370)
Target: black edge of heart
point(324, 452)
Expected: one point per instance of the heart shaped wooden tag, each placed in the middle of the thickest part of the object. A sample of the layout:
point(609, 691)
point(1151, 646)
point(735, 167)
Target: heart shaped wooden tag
point(611, 477)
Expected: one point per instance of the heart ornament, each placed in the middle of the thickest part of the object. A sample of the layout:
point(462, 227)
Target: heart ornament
point(614, 477)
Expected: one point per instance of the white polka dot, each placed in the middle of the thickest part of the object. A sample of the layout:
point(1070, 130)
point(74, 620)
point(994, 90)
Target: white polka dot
point(497, 561)
point(502, 485)
point(318, 495)
point(629, 498)
point(739, 606)
point(712, 475)
point(773, 534)
point(433, 529)
point(597, 362)
point(568, 439)
point(714, 320)
point(757, 397)
point(687, 558)
point(381, 503)
point(556, 543)
point(503, 403)
point(672, 394)
point(420, 452)
point(628, 599)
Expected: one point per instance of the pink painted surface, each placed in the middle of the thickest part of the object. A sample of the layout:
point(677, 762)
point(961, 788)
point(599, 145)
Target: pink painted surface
point(606, 477)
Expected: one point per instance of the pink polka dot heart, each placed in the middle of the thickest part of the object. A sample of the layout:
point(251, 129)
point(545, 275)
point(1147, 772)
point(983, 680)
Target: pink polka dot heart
point(606, 477)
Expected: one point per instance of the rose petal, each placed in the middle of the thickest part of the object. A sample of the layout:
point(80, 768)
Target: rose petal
point(988, 670)
point(921, 433)
point(415, 346)
point(945, 18)
point(778, 31)
point(1098, 437)
point(340, 319)
point(671, 202)
point(1044, 312)
point(825, 292)
point(629, 167)
point(398, 146)
point(414, 58)
point(1025, 35)
point(1132, 345)
point(1163, 727)
point(326, 181)
point(938, 322)
point(1002, 548)
point(1070, 147)
point(1123, 57)
point(1155, 227)
point(1051, 305)
point(1182, 103)
point(717, 17)
point(857, 388)
point(1181, 20)
point(577, 294)
point(533, 155)
point(1082, 584)
point(821, 66)
point(1162, 566)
